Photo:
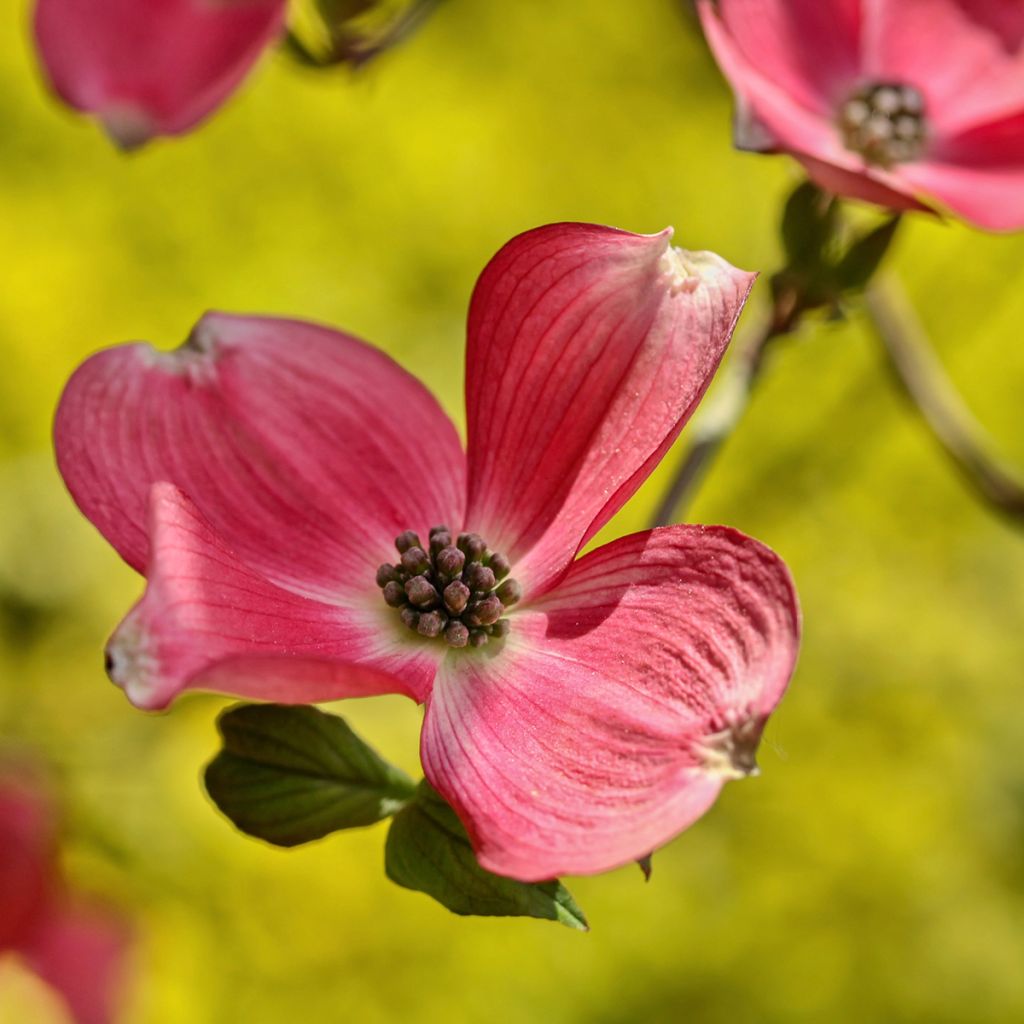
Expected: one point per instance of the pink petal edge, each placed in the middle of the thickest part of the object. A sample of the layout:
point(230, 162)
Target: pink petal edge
point(898, 194)
point(979, 174)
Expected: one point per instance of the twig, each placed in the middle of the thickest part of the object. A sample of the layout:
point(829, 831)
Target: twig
point(924, 381)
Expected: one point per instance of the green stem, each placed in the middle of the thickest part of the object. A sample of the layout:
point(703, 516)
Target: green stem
point(923, 380)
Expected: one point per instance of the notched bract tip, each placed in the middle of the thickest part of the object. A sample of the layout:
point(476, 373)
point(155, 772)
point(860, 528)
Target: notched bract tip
point(130, 662)
point(203, 337)
point(681, 269)
point(194, 356)
point(127, 127)
point(731, 753)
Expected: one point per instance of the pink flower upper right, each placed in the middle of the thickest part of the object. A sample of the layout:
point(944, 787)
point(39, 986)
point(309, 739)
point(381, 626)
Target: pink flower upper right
point(906, 103)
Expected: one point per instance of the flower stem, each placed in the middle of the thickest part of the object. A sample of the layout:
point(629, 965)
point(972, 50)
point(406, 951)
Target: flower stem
point(720, 417)
point(923, 380)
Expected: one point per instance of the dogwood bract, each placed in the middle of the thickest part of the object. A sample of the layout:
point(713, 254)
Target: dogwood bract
point(899, 102)
point(579, 711)
point(152, 67)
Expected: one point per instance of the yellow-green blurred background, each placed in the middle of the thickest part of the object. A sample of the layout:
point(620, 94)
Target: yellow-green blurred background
point(873, 873)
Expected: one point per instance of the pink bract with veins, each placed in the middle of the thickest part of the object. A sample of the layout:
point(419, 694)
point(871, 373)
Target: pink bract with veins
point(900, 102)
point(78, 949)
point(152, 67)
point(259, 475)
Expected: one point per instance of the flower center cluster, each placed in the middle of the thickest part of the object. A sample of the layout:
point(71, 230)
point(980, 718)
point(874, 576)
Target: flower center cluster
point(885, 123)
point(455, 589)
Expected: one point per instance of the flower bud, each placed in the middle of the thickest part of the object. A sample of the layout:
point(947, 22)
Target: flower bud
point(499, 565)
point(479, 577)
point(407, 540)
point(457, 634)
point(450, 561)
point(456, 597)
point(439, 541)
point(385, 574)
point(488, 610)
point(421, 592)
point(432, 624)
point(414, 560)
point(510, 593)
point(473, 545)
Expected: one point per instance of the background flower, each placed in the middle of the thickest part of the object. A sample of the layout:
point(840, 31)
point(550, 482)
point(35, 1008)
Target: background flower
point(152, 68)
point(76, 948)
point(900, 102)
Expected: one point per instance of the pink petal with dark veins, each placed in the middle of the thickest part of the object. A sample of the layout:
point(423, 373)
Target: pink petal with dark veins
point(588, 350)
point(208, 621)
point(620, 704)
point(308, 451)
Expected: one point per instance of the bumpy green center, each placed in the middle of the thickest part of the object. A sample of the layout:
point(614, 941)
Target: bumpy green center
point(454, 589)
point(885, 123)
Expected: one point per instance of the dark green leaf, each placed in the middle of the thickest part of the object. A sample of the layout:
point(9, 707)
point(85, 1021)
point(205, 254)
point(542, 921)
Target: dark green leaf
point(297, 49)
point(326, 33)
point(293, 774)
point(428, 850)
point(809, 224)
point(862, 259)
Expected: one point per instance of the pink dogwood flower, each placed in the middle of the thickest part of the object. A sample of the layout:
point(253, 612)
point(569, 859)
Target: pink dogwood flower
point(152, 67)
point(899, 102)
point(579, 711)
point(76, 948)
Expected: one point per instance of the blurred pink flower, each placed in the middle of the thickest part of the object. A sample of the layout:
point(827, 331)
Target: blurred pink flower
point(900, 102)
point(258, 474)
point(77, 948)
point(152, 67)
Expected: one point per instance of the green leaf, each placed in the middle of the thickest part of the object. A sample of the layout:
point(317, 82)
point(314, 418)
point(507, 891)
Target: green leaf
point(293, 774)
point(809, 224)
point(326, 33)
point(862, 259)
point(428, 850)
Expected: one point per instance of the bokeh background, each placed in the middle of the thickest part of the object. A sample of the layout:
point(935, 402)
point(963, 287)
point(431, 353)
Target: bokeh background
point(873, 873)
